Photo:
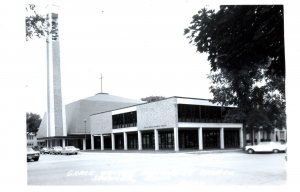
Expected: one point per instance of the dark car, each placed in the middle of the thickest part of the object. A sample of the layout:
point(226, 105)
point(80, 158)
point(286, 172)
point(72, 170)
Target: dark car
point(36, 148)
point(32, 154)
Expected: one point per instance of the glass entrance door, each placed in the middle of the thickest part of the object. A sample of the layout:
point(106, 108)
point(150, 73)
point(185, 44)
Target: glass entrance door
point(211, 138)
point(132, 140)
point(148, 140)
point(188, 139)
point(166, 139)
point(119, 141)
point(231, 138)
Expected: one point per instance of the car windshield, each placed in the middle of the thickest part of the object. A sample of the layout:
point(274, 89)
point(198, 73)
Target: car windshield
point(57, 147)
point(70, 147)
point(29, 149)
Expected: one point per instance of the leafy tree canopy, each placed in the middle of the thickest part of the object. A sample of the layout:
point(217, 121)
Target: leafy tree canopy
point(152, 98)
point(246, 53)
point(38, 25)
point(33, 122)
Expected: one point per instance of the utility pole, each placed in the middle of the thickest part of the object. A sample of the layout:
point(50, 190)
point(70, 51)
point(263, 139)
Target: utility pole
point(85, 132)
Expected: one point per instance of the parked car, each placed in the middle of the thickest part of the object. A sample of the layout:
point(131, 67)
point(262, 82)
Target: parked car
point(285, 155)
point(55, 150)
point(36, 148)
point(69, 150)
point(45, 150)
point(274, 147)
point(32, 154)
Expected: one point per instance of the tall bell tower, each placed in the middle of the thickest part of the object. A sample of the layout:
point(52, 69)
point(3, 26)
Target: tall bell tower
point(56, 124)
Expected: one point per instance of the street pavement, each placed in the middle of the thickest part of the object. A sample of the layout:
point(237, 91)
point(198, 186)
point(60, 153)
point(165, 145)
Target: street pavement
point(134, 168)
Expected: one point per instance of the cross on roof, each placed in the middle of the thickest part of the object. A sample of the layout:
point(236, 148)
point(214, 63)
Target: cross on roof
point(101, 81)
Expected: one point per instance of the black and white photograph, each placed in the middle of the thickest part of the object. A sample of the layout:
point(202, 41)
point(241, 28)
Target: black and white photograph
point(135, 94)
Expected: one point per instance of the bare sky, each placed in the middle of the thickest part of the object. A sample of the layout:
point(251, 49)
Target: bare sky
point(138, 46)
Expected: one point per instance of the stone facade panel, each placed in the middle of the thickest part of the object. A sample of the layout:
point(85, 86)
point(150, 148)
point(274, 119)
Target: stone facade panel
point(101, 123)
point(156, 115)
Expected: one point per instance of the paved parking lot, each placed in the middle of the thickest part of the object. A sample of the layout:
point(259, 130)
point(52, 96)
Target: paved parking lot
point(119, 168)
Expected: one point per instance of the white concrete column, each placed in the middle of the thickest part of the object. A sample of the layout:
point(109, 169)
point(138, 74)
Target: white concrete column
point(84, 144)
point(258, 136)
point(92, 142)
point(125, 140)
point(112, 142)
point(156, 140)
point(176, 144)
point(222, 138)
point(200, 138)
point(285, 135)
point(102, 142)
point(63, 142)
point(140, 140)
point(241, 138)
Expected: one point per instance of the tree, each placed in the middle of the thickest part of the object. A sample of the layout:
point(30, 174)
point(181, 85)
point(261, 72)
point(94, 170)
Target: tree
point(33, 122)
point(152, 98)
point(246, 53)
point(38, 25)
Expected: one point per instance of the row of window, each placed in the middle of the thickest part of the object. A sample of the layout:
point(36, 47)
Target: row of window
point(203, 114)
point(124, 120)
point(186, 113)
point(30, 137)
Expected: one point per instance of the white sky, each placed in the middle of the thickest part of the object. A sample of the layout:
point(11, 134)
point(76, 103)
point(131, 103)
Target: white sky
point(138, 46)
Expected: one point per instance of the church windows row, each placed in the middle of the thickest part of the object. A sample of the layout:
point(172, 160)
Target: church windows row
point(123, 120)
point(203, 114)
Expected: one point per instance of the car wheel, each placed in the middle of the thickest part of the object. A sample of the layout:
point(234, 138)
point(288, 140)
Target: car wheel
point(275, 151)
point(250, 151)
point(36, 159)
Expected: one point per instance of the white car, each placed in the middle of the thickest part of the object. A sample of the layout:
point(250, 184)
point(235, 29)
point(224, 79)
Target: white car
point(69, 150)
point(55, 150)
point(274, 147)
